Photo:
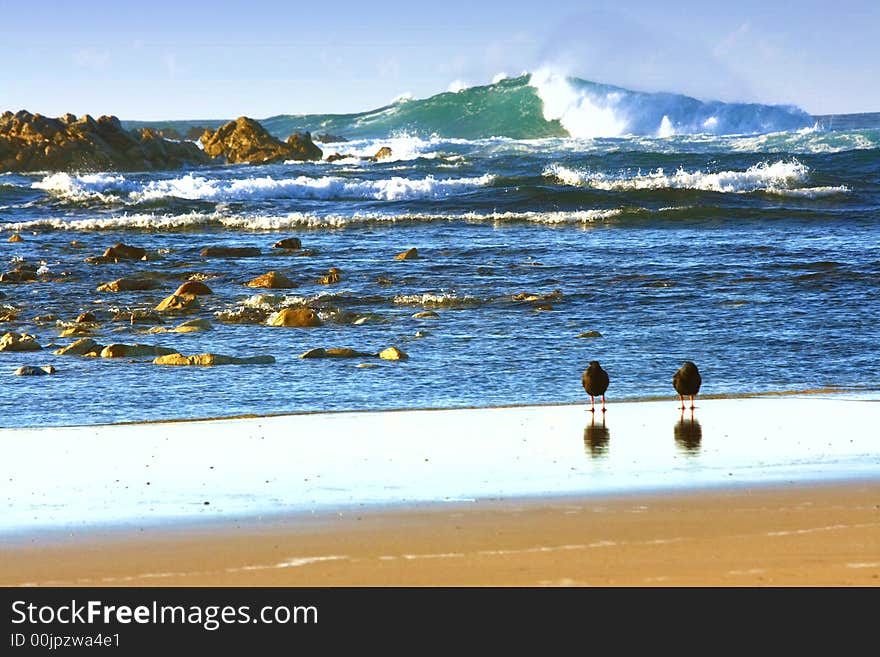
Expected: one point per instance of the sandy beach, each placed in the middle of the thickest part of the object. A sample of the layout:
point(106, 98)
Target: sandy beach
point(780, 536)
point(749, 491)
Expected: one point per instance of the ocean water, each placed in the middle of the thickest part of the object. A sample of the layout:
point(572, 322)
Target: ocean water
point(743, 237)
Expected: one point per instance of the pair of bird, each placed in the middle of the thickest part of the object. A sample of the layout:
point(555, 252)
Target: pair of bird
point(686, 382)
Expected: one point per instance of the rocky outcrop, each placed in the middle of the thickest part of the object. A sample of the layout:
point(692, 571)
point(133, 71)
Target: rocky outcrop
point(273, 281)
point(32, 142)
point(327, 138)
point(209, 360)
point(19, 342)
point(15, 237)
point(245, 140)
point(382, 154)
point(295, 317)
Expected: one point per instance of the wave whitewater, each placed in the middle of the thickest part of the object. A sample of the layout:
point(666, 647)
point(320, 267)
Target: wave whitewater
point(784, 178)
point(110, 188)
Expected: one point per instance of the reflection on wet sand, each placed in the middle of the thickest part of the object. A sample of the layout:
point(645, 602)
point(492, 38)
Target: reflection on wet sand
point(688, 434)
point(596, 439)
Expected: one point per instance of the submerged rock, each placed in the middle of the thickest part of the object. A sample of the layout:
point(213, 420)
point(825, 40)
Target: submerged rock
point(30, 370)
point(409, 254)
point(82, 347)
point(330, 278)
point(589, 334)
point(295, 317)
point(32, 142)
point(19, 342)
point(129, 285)
point(178, 303)
point(288, 243)
point(245, 140)
point(392, 353)
point(426, 314)
point(134, 351)
point(120, 251)
point(208, 360)
point(272, 280)
point(196, 288)
point(15, 237)
point(336, 352)
point(231, 252)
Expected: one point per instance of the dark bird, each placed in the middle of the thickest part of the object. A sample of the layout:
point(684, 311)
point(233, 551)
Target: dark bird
point(686, 382)
point(595, 381)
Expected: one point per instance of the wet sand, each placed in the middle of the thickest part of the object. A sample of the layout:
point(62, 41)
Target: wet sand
point(821, 535)
point(748, 491)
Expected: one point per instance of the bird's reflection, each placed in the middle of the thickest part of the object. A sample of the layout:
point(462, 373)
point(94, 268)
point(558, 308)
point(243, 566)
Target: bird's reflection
point(596, 438)
point(688, 434)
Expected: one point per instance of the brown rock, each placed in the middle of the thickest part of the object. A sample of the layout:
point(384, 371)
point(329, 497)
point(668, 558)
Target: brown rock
point(129, 285)
point(31, 142)
point(289, 243)
point(331, 277)
point(589, 334)
point(15, 237)
point(335, 352)
point(30, 370)
point(392, 353)
point(194, 287)
point(231, 252)
point(76, 331)
point(296, 317)
point(193, 326)
point(208, 360)
point(245, 140)
point(85, 317)
point(122, 251)
point(178, 303)
point(19, 342)
point(134, 351)
point(409, 254)
point(272, 280)
point(382, 154)
point(426, 314)
point(81, 347)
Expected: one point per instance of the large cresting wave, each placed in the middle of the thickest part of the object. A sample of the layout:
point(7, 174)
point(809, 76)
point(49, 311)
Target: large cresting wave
point(546, 104)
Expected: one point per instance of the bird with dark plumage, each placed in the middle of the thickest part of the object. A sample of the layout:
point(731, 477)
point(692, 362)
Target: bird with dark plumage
point(595, 381)
point(686, 382)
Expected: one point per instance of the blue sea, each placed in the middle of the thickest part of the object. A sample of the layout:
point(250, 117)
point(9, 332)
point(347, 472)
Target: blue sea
point(558, 221)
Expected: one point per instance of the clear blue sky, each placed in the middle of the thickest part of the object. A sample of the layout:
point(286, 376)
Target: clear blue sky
point(163, 59)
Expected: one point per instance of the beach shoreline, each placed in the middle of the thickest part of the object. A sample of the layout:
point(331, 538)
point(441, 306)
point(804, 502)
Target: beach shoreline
point(783, 535)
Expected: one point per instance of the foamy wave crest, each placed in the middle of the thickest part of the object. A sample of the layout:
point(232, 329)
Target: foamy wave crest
point(782, 177)
point(590, 110)
point(106, 187)
point(195, 220)
point(443, 300)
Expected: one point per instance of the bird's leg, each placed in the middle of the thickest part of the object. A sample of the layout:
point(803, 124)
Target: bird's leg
point(592, 404)
point(681, 398)
point(692, 403)
point(603, 403)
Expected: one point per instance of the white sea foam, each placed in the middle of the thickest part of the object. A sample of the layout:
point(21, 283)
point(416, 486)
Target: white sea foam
point(781, 177)
point(581, 114)
point(116, 188)
point(444, 300)
point(260, 223)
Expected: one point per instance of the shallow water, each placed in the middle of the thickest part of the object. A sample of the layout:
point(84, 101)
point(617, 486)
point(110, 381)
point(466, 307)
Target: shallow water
point(143, 474)
point(755, 257)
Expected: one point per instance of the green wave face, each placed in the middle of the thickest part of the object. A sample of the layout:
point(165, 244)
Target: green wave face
point(510, 108)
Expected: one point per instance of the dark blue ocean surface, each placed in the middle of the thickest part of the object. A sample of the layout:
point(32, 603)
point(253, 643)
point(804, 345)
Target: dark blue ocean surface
point(756, 256)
